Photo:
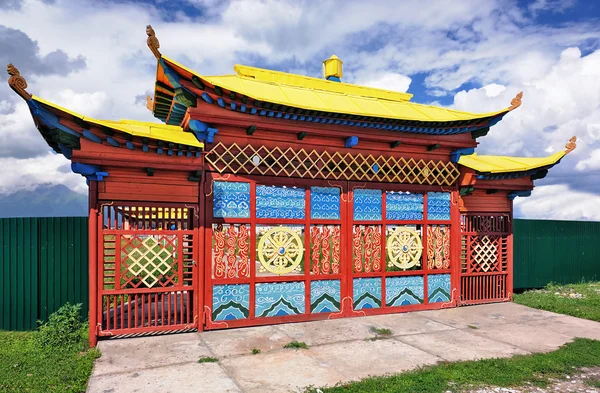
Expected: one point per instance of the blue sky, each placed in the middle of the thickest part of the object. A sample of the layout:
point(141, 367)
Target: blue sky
point(467, 54)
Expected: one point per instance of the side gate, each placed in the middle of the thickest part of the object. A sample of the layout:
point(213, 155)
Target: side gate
point(147, 268)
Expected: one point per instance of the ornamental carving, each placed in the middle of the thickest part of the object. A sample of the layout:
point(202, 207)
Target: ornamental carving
point(152, 41)
point(516, 102)
point(404, 248)
point(17, 82)
point(150, 103)
point(571, 145)
point(280, 250)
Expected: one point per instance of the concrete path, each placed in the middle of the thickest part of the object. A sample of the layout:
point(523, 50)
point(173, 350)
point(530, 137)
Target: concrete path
point(340, 350)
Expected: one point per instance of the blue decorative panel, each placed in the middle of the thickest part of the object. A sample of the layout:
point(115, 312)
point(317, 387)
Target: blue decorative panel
point(325, 203)
point(324, 296)
point(230, 302)
point(367, 293)
point(438, 288)
point(278, 299)
point(438, 205)
point(404, 291)
point(401, 206)
point(367, 204)
point(280, 202)
point(231, 199)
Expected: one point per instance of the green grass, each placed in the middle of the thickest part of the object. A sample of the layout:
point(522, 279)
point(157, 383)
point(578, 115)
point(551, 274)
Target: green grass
point(461, 376)
point(207, 359)
point(255, 351)
point(561, 299)
point(296, 345)
point(595, 383)
point(27, 368)
point(381, 331)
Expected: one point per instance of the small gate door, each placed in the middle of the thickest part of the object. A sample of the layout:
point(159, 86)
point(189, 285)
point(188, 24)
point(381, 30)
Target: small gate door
point(147, 274)
point(486, 260)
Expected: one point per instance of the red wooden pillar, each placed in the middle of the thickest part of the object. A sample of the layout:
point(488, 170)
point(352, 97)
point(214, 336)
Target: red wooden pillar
point(455, 248)
point(509, 256)
point(93, 261)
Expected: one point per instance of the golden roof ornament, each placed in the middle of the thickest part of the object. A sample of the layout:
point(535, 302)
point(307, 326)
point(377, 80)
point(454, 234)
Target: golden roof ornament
point(516, 102)
point(17, 82)
point(150, 103)
point(152, 41)
point(571, 145)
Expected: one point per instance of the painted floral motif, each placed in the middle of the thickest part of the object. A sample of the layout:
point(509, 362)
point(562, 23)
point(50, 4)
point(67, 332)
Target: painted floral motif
point(438, 288)
point(438, 205)
point(404, 291)
point(367, 204)
point(324, 296)
point(366, 248)
point(230, 302)
point(438, 247)
point(230, 251)
point(279, 299)
point(366, 293)
point(280, 202)
point(325, 203)
point(231, 199)
point(325, 249)
point(403, 206)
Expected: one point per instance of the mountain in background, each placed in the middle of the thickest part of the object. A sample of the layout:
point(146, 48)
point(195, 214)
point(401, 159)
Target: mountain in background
point(47, 200)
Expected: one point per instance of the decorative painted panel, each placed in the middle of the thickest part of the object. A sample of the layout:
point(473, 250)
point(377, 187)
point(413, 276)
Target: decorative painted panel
point(231, 199)
point(325, 203)
point(438, 205)
point(438, 288)
point(280, 202)
point(438, 247)
point(230, 302)
point(403, 206)
point(404, 247)
point(230, 251)
point(324, 296)
point(279, 250)
point(404, 291)
point(325, 249)
point(367, 204)
point(366, 293)
point(366, 248)
point(279, 299)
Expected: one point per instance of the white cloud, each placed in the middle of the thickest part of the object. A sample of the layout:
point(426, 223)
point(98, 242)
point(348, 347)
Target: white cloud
point(558, 202)
point(388, 81)
point(590, 163)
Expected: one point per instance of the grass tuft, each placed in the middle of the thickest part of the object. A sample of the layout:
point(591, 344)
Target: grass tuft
point(296, 345)
point(473, 327)
point(381, 331)
point(595, 383)
point(207, 359)
point(255, 351)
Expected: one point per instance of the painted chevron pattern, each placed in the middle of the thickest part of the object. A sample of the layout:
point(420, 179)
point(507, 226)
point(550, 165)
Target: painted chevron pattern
point(324, 296)
point(367, 293)
point(438, 287)
point(279, 299)
point(404, 291)
point(230, 302)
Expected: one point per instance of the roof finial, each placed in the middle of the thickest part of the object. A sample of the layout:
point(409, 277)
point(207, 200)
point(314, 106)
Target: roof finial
point(571, 145)
point(152, 41)
point(150, 103)
point(516, 102)
point(17, 82)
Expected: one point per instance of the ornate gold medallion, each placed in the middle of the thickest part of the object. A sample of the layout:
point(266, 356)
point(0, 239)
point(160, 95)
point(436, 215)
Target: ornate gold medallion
point(404, 248)
point(280, 250)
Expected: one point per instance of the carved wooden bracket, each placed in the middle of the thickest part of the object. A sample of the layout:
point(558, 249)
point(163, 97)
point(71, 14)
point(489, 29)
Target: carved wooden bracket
point(150, 103)
point(152, 41)
point(516, 102)
point(17, 82)
point(571, 145)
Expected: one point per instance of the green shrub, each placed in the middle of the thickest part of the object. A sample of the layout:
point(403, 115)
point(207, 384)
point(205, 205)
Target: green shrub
point(64, 329)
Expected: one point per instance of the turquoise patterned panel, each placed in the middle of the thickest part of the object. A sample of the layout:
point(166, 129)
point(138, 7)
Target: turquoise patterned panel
point(438, 288)
point(231, 199)
point(230, 302)
point(325, 203)
point(438, 205)
point(367, 293)
point(404, 291)
point(324, 296)
point(367, 204)
point(401, 206)
point(278, 299)
point(280, 202)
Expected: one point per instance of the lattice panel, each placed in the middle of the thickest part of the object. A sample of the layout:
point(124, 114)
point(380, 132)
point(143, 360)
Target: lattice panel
point(485, 223)
point(325, 249)
point(230, 251)
point(438, 247)
point(149, 261)
point(366, 246)
point(326, 165)
point(485, 254)
point(131, 217)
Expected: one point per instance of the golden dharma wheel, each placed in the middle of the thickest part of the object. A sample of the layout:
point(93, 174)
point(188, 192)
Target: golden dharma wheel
point(280, 250)
point(404, 248)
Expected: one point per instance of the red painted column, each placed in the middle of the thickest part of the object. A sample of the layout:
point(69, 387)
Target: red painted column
point(92, 260)
point(455, 245)
point(509, 256)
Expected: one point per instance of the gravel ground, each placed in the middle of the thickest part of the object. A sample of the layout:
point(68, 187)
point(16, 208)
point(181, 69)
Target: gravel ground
point(576, 383)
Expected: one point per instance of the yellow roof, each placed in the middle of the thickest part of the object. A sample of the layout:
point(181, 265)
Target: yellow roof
point(501, 164)
point(316, 94)
point(158, 131)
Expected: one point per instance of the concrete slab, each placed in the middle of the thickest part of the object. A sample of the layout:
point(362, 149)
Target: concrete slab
point(327, 332)
point(526, 337)
point(140, 353)
point(568, 325)
point(282, 371)
point(175, 378)
point(235, 342)
point(457, 345)
point(405, 323)
point(361, 359)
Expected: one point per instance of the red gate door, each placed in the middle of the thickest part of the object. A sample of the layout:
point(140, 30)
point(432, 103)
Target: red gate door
point(486, 258)
point(147, 269)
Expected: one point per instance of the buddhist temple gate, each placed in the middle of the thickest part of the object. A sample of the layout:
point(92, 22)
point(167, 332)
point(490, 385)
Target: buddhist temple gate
point(268, 197)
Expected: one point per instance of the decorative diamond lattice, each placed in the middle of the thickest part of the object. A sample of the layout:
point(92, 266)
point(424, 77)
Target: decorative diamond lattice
point(150, 261)
point(280, 250)
point(404, 248)
point(485, 253)
point(325, 165)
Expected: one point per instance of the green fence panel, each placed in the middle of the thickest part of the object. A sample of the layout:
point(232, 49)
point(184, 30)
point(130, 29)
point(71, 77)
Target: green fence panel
point(562, 252)
point(43, 264)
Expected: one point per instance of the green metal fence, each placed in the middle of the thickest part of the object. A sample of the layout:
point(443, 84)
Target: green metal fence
point(43, 262)
point(555, 251)
point(43, 265)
